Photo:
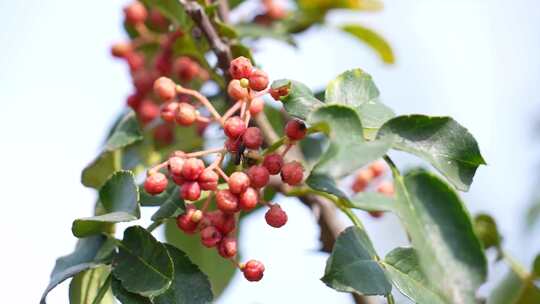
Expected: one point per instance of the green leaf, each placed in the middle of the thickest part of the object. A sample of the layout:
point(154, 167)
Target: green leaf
point(126, 297)
point(127, 132)
point(448, 146)
point(218, 270)
point(352, 266)
point(403, 268)
point(173, 10)
point(238, 49)
point(97, 172)
point(87, 255)
point(189, 285)
point(536, 267)
point(142, 264)
point(91, 286)
point(441, 231)
point(170, 207)
point(120, 201)
point(325, 183)
point(255, 31)
point(300, 101)
point(372, 39)
point(372, 201)
point(225, 30)
point(515, 289)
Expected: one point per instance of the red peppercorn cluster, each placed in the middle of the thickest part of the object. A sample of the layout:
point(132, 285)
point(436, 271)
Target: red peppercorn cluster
point(273, 11)
point(241, 190)
point(372, 176)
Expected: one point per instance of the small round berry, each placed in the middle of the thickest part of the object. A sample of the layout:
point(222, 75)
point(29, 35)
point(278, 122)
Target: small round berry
point(169, 111)
point(256, 106)
point(155, 183)
point(236, 91)
point(238, 182)
point(275, 216)
point(157, 20)
point(193, 167)
point(258, 176)
point(163, 135)
point(376, 214)
point(191, 191)
point(362, 179)
point(148, 111)
point(252, 138)
point(178, 179)
point(275, 11)
point(134, 101)
point(233, 145)
point(234, 127)
point(386, 188)
point(197, 216)
point(224, 222)
point(295, 129)
point(248, 199)
point(208, 180)
point(165, 88)
point(377, 168)
point(135, 61)
point(184, 222)
point(273, 162)
point(253, 270)
point(258, 80)
point(277, 93)
point(186, 114)
point(186, 68)
point(201, 126)
point(143, 81)
point(121, 49)
point(210, 236)
point(240, 68)
point(226, 201)
point(135, 13)
point(228, 247)
point(176, 165)
point(292, 173)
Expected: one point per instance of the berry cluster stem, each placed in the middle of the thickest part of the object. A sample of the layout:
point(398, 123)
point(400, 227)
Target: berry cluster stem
point(203, 100)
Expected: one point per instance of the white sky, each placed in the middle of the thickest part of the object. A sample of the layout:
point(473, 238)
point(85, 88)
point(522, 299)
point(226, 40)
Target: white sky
point(59, 90)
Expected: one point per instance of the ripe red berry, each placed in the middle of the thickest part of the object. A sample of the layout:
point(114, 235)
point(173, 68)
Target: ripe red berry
point(256, 106)
point(226, 201)
point(258, 176)
point(157, 20)
point(275, 10)
point(386, 188)
point(178, 179)
point(238, 182)
point(248, 199)
point(376, 214)
point(193, 167)
point(224, 222)
point(292, 173)
point(295, 129)
point(277, 93)
point(252, 138)
point(135, 61)
point(258, 80)
point(155, 183)
point(175, 165)
point(236, 91)
point(168, 111)
point(253, 270)
point(186, 68)
point(165, 88)
point(362, 179)
point(234, 127)
point(273, 162)
point(163, 135)
point(377, 168)
point(240, 68)
point(233, 145)
point(210, 236)
point(275, 216)
point(228, 247)
point(135, 13)
point(191, 191)
point(208, 180)
point(121, 49)
point(184, 222)
point(186, 114)
point(134, 101)
point(148, 111)
point(143, 81)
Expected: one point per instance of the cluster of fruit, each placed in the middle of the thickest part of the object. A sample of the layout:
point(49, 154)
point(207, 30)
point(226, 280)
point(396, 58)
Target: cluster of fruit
point(372, 176)
point(242, 189)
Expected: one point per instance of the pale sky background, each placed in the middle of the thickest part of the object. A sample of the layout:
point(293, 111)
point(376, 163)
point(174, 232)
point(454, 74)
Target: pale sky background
point(475, 60)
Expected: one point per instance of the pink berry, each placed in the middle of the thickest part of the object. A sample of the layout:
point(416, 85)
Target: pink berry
point(191, 191)
point(134, 101)
point(236, 91)
point(224, 222)
point(186, 68)
point(252, 138)
point(148, 111)
point(248, 199)
point(377, 168)
point(240, 68)
point(186, 114)
point(178, 179)
point(176, 165)
point(193, 167)
point(228, 247)
point(277, 93)
point(256, 106)
point(135, 61)
point(258, 176)
point(233, 145)
point(234, 127)
point(143, 81)
point(121, 49)
point(258, 80)
point(165, 88)
point(295, 129)
point(210, 236)
point(253, 270)
point(163, 134)
point(275, 216)
point(362, 180)
point(273, 162)
point(376, 214)
point(292, 173)
point(169, 111)
point(158, 20)
point(155, 183)
point(238, 182)
point(386, 188)
point(208, 180)
point(135, 13)
point(184, 222)
point(226, 201)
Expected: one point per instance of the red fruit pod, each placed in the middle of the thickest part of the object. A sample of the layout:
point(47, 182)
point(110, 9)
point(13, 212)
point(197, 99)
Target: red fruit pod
point(148, 111)
point(275, 216)
point(163, 134)
point(386, 188)
point(190, 191)
point(135, 61)
point(226, 201)
point(175, 165)
point(169, 111)
point(186, 68)
point(121, 49)
point(258, 176)
point(155, 183)
point(184, 222)
point(277, 93)
point(238, 182)
point(223, 221)
point(273, 162)
point(236, 91)
point(228, 247)
point(253, 270)
point(186, 114)
point(193, 167)
point(292, 173)
point(240, 67)
point(362, 180)
point(377, 168)
point(178, 179)
point(157, 20)
point(248, 199)
point(295, 129)
point(376, 214)
point(234, 127)
point(256, 106)
point(165, 88)
point(233, 145)
point(208, 180)
point(252, 138)
point(258, 80)
point(210, 236)
point(134, 101)
point(135, 13)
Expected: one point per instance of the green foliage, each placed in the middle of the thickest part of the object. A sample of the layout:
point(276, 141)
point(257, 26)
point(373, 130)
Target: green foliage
point(487, 231)
point(91, 287)
point(372, 39)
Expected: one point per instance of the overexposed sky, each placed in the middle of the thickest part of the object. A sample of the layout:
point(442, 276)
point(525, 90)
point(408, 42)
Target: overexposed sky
point(475, 60)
